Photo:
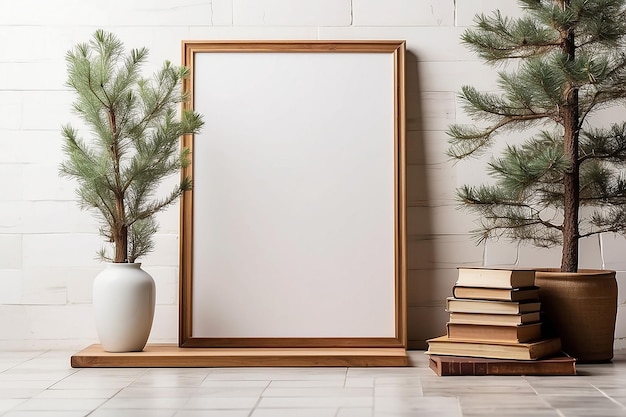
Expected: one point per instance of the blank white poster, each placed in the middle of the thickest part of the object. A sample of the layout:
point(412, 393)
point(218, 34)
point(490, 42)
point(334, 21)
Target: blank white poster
point(293, 200)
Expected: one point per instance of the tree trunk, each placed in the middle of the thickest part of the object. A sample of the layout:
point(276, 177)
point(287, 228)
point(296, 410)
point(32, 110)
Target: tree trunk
point(120, 237)
point(571, 181)
point(120, 232)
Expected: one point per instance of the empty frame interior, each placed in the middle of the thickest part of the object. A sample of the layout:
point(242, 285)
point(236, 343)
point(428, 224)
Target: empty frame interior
point(293, 234)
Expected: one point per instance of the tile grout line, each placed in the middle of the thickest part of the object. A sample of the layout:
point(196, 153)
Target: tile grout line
point(608, 396)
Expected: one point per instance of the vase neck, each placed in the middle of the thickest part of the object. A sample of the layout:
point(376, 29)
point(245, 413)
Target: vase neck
point(135, 265)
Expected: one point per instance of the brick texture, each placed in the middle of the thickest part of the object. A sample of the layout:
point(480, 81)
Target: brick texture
point(47, 245)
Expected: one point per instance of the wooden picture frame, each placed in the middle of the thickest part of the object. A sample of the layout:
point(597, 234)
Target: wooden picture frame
point(294, 235)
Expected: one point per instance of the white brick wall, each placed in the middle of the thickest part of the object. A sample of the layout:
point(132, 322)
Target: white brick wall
point(466, 10)
point(47, 245)
point(291, 13)
point(403, 13)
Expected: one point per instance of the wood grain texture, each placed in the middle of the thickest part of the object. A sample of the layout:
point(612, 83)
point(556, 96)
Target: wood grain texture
point(395, 48)
point(292, 342)
point(460, 366)
point(381, 46)
point(171, 356)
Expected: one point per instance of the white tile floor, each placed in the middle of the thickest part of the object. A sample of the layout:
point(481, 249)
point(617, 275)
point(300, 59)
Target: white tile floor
point(42, 384)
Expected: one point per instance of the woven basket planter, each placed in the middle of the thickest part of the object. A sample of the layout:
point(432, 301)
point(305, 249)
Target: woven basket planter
point(581, 309)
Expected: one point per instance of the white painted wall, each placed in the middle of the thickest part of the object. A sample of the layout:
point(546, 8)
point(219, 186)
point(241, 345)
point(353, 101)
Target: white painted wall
point(47, 245)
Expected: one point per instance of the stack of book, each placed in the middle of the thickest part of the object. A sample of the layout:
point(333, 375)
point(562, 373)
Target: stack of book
point(495, 314)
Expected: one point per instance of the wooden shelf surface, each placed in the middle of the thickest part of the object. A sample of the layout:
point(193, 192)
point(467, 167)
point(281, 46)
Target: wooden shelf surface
point(171, 356)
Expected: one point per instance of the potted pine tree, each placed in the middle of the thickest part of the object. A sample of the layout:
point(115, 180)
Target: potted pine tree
point(134, 144)
point(565, 180)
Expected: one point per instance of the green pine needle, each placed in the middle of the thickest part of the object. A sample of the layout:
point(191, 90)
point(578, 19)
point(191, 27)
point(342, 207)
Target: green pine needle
point(570, 63)
point(135, 127)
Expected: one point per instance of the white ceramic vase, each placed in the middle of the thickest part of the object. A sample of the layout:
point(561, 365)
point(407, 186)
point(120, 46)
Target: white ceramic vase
point(123, 302)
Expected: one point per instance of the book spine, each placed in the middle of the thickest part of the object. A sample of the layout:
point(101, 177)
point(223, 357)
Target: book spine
point(464, 368)
point(481, 369)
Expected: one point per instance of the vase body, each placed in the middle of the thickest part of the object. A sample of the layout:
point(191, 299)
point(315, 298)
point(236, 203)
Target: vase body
point(581, 309)
point(123, 302)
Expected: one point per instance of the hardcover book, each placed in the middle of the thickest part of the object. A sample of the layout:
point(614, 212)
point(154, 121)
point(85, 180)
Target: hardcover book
point(462, 365)
point(495, 278)
point(538, 349)
point(498, 333)
point(466, 305)
point(497, 319)
point(502, 294)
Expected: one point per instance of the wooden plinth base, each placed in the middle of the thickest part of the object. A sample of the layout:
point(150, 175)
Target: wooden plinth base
point(171, 356)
